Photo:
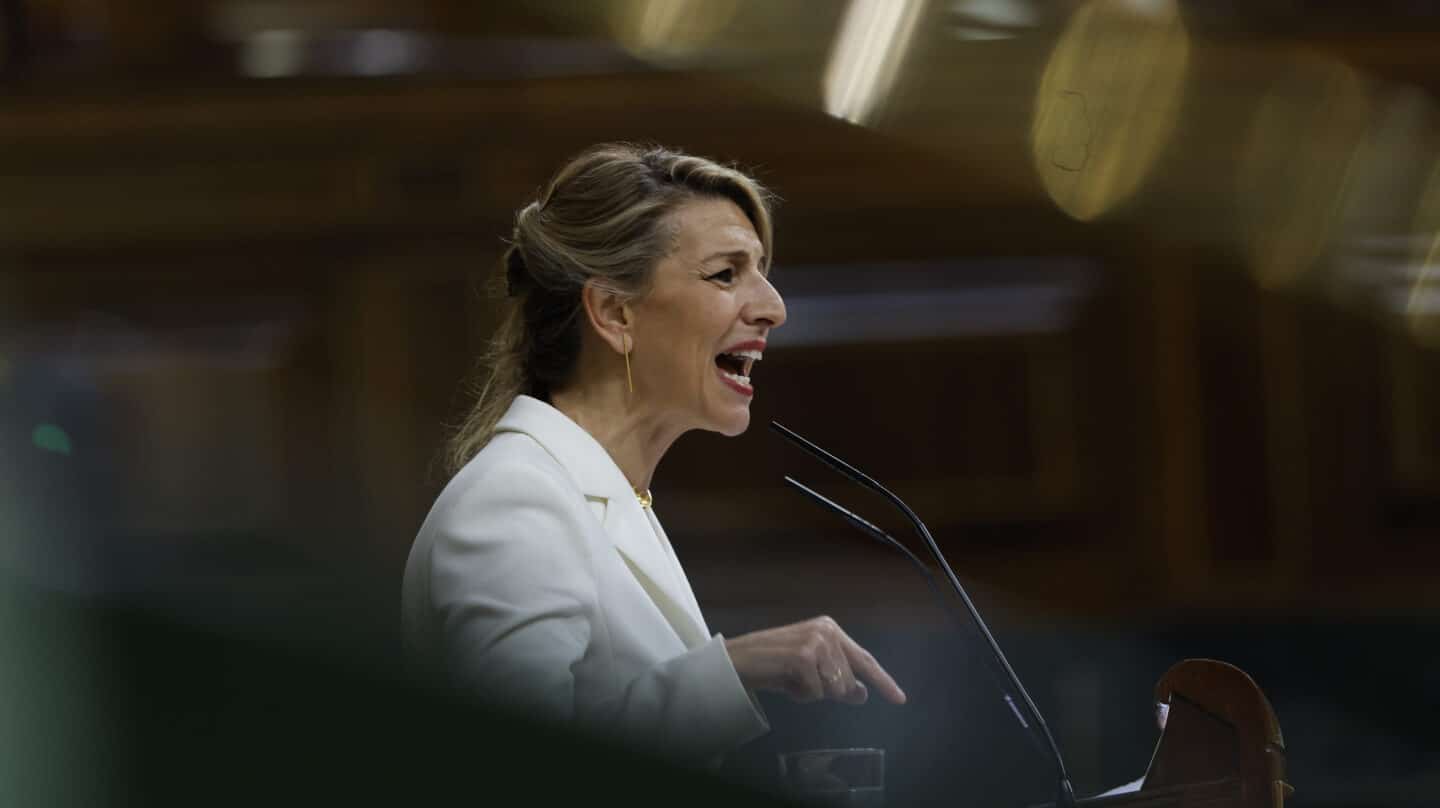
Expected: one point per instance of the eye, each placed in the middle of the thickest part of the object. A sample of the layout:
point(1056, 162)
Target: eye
point(725, 275)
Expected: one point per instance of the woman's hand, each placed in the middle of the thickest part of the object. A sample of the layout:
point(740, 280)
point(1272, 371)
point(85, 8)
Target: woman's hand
point(810, 661)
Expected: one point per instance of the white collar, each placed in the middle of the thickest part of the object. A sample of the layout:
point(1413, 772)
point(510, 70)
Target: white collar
point(634, 532)
point(588, 463)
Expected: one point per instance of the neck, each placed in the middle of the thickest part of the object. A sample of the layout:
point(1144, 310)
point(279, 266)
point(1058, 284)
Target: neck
point(634, 438)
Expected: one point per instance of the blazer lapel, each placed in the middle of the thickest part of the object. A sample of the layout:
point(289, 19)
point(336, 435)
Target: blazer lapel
point(683, 589)
point(629, 527)
point(636, 535)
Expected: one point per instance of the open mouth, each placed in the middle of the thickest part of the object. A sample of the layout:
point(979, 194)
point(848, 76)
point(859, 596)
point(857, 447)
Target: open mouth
point(735, 367)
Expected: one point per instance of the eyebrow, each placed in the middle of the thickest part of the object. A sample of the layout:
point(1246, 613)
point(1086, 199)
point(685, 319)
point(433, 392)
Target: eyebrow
point(762, 262)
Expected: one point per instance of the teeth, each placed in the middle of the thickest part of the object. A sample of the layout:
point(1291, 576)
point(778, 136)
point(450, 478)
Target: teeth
point(755, 355)
point(745, 380)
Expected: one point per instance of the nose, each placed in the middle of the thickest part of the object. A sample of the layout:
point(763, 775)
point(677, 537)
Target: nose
point(766, 307)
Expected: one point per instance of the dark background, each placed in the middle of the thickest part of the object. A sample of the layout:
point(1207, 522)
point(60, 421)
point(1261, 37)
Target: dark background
point(1162, 378)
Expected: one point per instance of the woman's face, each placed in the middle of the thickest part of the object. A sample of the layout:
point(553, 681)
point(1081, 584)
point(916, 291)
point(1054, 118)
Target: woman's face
point(701, 329)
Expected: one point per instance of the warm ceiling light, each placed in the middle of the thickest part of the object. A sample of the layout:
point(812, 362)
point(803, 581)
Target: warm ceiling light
point(997, 13)
point(1422, 300)
point(273, 54)
point(1299, 159)
point(1108, 102)
point(868, 52)
point(668, 29)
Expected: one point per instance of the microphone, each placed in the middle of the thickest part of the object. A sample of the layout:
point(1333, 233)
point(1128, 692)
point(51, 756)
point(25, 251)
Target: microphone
point(1066, 791)
point(886, 539)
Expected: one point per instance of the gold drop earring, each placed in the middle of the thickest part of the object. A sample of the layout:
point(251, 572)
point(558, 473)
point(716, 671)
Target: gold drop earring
point(643, 496)
point(629, 382)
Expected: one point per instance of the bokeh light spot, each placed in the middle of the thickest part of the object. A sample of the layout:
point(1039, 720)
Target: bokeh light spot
point(51, 438)
point(1305, 138)
point(869, 50)
point(663, 30)
point(1108, 102)
point(1422, 303)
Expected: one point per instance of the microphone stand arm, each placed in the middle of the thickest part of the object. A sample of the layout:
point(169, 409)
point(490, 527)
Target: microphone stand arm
point(1066, 795)
point(946, 605)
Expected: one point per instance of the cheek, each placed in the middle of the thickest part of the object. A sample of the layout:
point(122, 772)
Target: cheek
point(677, 353)
point(686, 333)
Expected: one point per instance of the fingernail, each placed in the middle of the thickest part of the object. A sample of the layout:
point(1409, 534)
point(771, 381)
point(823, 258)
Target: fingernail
point(860, 693)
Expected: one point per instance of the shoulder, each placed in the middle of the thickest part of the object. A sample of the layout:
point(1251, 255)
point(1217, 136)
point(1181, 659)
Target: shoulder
point(511, 473)
point(509, 530)
point(511, 520)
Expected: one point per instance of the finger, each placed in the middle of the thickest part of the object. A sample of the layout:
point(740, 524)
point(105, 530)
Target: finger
point(843, 686)
point(840, 683)
point(867, 669)
point(860, 694)
point(807, 684)
point(851, 690)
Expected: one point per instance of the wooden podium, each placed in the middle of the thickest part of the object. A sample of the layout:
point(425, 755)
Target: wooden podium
point(1221, 746)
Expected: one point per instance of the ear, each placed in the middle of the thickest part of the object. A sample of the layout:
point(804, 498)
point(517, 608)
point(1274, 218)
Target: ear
point(609, 315)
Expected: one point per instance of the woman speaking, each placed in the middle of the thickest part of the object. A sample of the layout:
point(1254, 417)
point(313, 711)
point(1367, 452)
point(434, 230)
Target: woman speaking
point(637, 304)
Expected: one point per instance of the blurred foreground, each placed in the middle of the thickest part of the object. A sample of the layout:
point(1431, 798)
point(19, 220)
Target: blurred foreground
point(1134, 302)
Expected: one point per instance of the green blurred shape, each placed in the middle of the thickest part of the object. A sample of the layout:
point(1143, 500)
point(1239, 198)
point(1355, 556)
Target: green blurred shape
point(51, 438)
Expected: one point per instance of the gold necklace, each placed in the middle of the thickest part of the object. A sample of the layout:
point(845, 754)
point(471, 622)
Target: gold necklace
point(644, 497)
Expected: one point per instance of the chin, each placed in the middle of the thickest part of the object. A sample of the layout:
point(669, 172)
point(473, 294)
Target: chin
point(734, 424)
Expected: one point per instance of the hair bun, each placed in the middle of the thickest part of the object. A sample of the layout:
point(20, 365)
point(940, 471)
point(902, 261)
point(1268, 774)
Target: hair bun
point(517, 274)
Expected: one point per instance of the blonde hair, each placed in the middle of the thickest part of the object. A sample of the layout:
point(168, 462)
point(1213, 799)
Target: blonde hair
point(601, 219)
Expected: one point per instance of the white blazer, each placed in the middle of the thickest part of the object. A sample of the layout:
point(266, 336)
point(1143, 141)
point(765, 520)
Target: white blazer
point(538, 578)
